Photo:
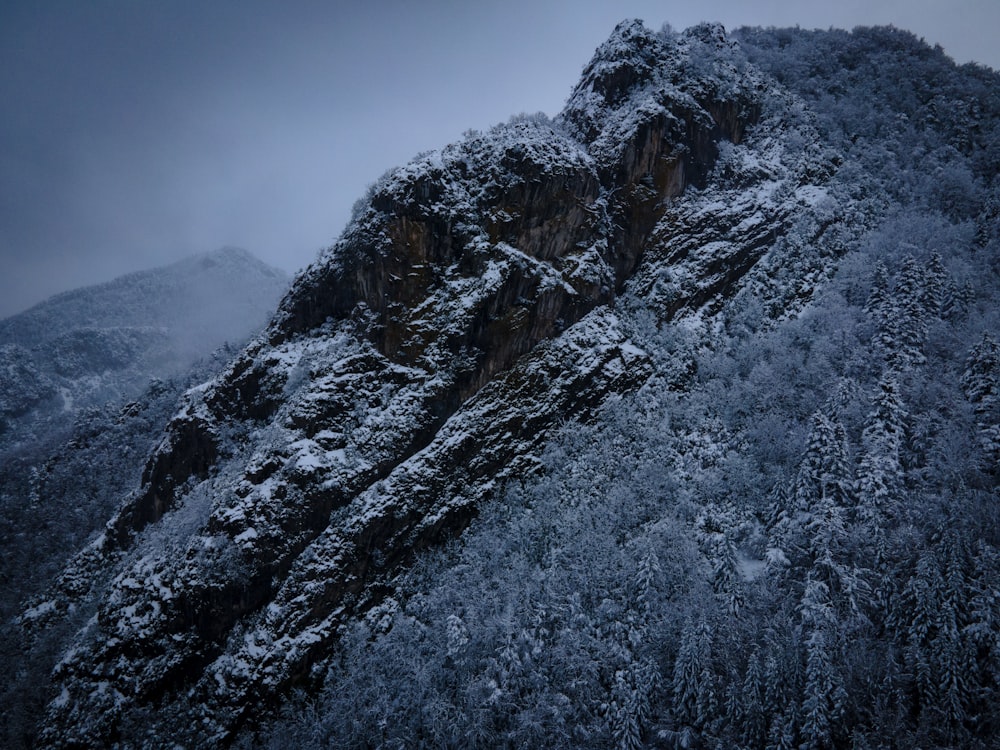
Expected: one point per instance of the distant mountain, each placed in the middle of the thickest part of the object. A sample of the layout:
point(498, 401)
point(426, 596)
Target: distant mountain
point(671, 422)
point(95, 344)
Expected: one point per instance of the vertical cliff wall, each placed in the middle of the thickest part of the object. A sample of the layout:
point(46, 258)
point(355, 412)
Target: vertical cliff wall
point(418, 364)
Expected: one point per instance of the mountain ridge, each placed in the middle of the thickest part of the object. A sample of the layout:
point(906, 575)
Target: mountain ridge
point(533, 285)
point(669, 245)
point(88, 345)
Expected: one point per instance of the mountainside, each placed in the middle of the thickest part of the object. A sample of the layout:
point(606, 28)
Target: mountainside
point(701, 361)
point(91, 345)
point(88, 379)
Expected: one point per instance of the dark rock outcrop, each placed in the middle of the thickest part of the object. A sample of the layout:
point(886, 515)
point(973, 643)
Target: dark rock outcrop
point(420, 362)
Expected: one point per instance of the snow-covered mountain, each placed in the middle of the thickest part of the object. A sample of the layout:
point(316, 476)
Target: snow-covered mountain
point(88, 379)
point(92, 345)
point(701, 362)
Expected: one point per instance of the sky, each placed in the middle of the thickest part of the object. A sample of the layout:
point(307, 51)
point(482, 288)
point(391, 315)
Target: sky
point(133, 134)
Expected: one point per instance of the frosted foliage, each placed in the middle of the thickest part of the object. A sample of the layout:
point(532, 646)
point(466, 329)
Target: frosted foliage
point(707, 459)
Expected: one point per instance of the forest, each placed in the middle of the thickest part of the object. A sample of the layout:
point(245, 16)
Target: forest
point(790, 537)
point(786, 536)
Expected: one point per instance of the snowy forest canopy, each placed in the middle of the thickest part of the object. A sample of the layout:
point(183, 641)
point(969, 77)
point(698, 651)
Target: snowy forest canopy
point(790, 538)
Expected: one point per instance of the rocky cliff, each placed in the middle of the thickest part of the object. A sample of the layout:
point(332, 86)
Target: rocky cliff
point(421, 361)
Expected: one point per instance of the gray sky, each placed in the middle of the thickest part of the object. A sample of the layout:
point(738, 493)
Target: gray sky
point(136, 133)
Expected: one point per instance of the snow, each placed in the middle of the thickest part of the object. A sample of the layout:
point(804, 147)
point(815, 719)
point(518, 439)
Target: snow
point(749, 568)
point(39, 611)
point(812, 195)
point(246, 536)
point(62, 699)
point(308, 456)
point(349, 414)
point(776, 557)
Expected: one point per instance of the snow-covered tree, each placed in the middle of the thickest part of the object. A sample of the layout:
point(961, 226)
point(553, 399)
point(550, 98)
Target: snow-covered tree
point(880, 472)
point(824, 697)
point(906, 326)
point(812, 528)
point(753, 718)
point(981, 383)
point(693, 688)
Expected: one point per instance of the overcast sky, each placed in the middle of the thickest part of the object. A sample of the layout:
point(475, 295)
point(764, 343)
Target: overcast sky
point(135, 133)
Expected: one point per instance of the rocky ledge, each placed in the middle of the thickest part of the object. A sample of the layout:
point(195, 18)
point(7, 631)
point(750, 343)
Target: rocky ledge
point(420, 362)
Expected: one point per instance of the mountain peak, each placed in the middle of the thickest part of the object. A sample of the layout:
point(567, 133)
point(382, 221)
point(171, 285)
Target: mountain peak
point(96, 343)
point(683, 250)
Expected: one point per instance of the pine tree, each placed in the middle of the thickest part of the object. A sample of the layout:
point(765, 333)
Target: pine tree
point(647, 577)
point(981, 384)
point(693, 678)
point(902, 324)
point(952, 660)
point(629, 706)
point(822, 489)
point(957, 301)
point(982, 633)
point(877, 304)
point(938, 286)
point(753, 715)
point(815, 608)
point(880, 472)
point(825, 470)
point(981, 378)
point(824, 698)
point(923, 602)
point(726, 581)
point(783, 734)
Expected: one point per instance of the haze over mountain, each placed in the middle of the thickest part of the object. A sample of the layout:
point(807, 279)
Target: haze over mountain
point(88, 377)
point(671, 421)
point(139, 133)
point(102, 343)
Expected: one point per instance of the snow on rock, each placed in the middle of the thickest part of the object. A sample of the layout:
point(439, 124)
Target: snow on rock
point(417, 365)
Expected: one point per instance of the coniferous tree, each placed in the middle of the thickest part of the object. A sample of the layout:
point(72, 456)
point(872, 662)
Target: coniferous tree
point(783, 734)
point(812, 529)
point(753, 712)
point(726, 581)
point(693, 678)
point(923, 610)
point(646, 582)
point(982, 631)
point(938, 286)
point(880, 472)
point(981, 383)
point(906, 329)
point(877, 304)
point(629, 706)
point(824, 697)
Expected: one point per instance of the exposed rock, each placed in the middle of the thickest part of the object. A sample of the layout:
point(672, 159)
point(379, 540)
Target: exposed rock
point(413, 368)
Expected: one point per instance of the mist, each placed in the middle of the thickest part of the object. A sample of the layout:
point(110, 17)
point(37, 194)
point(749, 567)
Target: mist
point(137, 134)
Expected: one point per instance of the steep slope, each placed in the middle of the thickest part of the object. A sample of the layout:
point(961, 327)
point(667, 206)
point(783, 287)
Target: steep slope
point(789, 535)
point(423, 360)
point(103, 353)
point(88, 380)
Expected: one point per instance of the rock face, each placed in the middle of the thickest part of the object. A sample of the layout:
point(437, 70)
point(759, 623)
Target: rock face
point(414, 367)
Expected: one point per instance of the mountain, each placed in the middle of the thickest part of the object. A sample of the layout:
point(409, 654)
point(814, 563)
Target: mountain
point(91, 345)
point(668, 422)
point(88, 379)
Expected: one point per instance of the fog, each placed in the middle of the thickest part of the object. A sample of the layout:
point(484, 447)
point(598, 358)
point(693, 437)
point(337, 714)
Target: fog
point(134, 134)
